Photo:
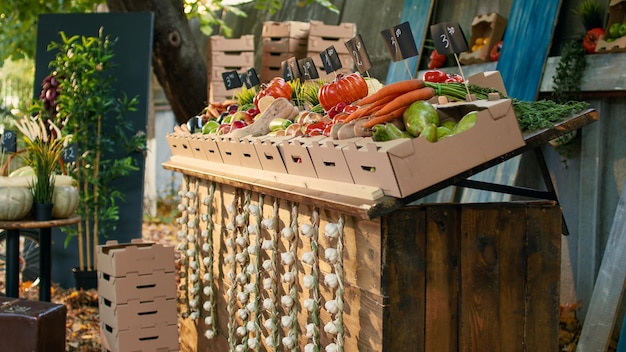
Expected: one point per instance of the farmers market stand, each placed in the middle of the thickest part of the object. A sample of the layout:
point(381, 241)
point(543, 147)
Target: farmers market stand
point(433, 277)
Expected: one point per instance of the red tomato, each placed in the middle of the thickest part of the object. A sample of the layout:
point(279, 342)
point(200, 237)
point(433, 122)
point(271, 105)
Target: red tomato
point(277, 88)
point(494, 55)
point(436, 60)
point(591, 39)
point(435, 76)
point(346, 89)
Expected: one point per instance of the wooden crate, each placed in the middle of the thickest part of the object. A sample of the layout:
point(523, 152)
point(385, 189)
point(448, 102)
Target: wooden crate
point(435, 277)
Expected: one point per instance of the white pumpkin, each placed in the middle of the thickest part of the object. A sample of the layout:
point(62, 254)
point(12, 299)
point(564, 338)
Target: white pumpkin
point(64, 201)
point(15, 202)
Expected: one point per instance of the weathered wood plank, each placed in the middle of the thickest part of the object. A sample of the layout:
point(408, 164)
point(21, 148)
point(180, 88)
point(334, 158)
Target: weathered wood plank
point(609, 288)
point(403, 280)
point(442, 277)
point(479, 302)
point(543, 279)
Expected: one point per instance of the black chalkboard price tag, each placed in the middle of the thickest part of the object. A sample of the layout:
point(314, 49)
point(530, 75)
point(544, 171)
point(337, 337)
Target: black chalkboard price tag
point(400, 42)
point(69, 153)
point(448, 38)
point(9, 143)
point(308, 69)
point(330, 59)
point(231, 79)
point(294, 68)
point(286, 70)
point(253, 77)
point(245, 80)
point(359, 54)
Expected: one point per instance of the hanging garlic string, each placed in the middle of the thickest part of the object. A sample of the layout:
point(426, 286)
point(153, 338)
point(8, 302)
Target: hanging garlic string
point(274, 337)
point(243, 277)
point(340, 289)
point(208, 260)
point(193, 229)
point(229, 234)
point(182, 246)
point(256, 210)
point(311, 283)
point(290, 340)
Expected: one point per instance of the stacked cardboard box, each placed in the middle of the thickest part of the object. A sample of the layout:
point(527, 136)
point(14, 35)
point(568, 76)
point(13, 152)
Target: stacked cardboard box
point(137, 297)
point(228, 54)
point(281, 41)
point(322, 36)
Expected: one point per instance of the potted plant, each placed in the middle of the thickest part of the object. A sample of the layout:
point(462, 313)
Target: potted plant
point(44, 146)
point(88, 105)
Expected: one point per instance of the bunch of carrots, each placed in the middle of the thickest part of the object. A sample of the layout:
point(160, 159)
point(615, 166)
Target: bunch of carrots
point(389, 102)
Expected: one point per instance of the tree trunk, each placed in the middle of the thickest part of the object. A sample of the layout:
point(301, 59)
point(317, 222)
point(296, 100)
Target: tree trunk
point(176, 60)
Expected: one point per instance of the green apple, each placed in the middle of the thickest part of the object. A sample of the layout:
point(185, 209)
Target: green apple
point(614, 30)
point(622, 29)
point(210, 127)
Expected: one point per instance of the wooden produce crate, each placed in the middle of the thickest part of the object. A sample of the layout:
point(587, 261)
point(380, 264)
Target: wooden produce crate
point(434, 277)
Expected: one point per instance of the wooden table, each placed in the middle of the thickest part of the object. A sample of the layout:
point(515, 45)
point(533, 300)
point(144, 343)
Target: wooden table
point(45, 257)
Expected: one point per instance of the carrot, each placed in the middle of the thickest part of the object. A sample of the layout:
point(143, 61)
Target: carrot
point(386, 117)
point(406, 99)
point(395, 88)
point(364, 110)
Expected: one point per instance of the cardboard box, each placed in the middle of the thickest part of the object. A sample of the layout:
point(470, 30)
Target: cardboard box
point(297, 46)
point(134, 286)
point(289, 29)
point(617, 14)
point(137, 314)
point(329, 160)
point(216, 72)
point(269, 72)
point(274, 59)
point(269, 153)
point(238, 151)
point(208, 146)
point(224, 59)
point(138, 257)
point(405, 166)
point(490, 26)
point(221, 43)
point(219, 93)
point(296, 156)
point(319, 44)
point(179, 145)
point(160, 338)
point(343, 30)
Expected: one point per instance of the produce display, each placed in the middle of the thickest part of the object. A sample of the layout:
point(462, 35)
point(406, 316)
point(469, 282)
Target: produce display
point(378, 132)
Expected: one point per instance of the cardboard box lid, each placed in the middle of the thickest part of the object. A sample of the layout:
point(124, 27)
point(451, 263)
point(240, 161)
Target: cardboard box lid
point(120, 259)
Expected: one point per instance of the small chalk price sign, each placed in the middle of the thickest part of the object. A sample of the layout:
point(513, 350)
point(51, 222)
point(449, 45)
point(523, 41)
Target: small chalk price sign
point(330, 59)
point(9, 144)
point(245, 80)
point(69, 153)
point(359, 54)
point(286, 70)
point(253, 78)
point(294, 68)
point(231, 80)
point(400, 42)
point(308, 69)
point(448, 38)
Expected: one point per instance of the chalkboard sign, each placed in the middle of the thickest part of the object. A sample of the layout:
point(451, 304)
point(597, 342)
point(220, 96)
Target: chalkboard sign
point(253, 78)
point(286, 70)
point(330, 59)
point(9, 144)
point(308, 69)
point(231, 79)
point(400, 42)
point(294, 68)
point(69, 153)
point(359, 54)
point(448, 38)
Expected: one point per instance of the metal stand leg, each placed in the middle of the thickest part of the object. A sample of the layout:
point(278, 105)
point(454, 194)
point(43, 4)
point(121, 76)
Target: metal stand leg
point(547, 180)
point(13, 263)
point(45, 261)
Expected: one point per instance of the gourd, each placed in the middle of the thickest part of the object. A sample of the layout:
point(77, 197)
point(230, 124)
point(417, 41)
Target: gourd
point(64, 201)
point(15, 202)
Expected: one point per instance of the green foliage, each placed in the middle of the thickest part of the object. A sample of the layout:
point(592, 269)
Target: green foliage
point(569, 71)
point(19, 23)
point(91, 109)
point(590, 13)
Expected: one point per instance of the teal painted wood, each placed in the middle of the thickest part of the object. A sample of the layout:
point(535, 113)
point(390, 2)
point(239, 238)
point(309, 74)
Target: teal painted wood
point(527, 40)
point(417, 13)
